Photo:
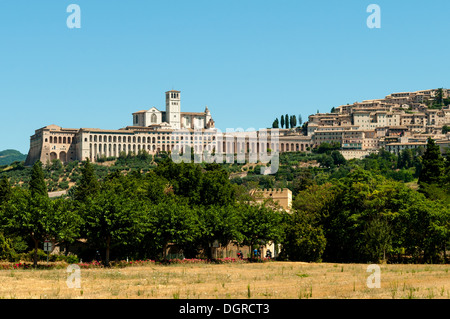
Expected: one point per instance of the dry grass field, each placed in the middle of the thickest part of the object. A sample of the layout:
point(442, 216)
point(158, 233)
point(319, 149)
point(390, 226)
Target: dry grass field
point(280, 280)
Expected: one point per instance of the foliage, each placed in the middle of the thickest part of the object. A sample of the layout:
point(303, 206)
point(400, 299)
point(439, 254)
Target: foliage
point(7, 157)
point(139, 207)
point(37, 182)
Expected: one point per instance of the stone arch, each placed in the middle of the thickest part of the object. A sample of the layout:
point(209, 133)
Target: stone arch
point(63, 157)
point(53, 156)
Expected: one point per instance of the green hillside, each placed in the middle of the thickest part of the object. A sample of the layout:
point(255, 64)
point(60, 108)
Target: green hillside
point(10, 156)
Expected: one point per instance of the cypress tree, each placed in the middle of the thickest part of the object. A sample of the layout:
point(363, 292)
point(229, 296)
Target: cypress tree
point(38, 187)
point(5, 190)
point(88, 184)
point(432, 164)
point(275, 124)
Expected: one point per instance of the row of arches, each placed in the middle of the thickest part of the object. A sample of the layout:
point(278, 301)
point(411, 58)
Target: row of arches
point(62, 156)
point(293, 147)
point(143, 139)
point(60, 140)
point(241, 147)
point(114, 150)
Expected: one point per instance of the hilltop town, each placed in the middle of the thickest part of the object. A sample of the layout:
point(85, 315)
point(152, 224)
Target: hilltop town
point(399, 121)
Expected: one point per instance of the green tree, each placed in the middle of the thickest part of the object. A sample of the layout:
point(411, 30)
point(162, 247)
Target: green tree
point(445, 129)
point(377, 238)
point(405, 159)
point(302, 181)
point(259, 225)
point(216, 188)
point(338, 158)
point(170, 222)
point(439, 98)
point(37, 183)
point(112, 219)
point(32, 216)
point(286, 120)
point(5, 190)
point(303, 239)
point(432, 165)
point(67, 221)
point(293, 121)
point(275, 123)
point(326, 161)
point(88, 184)
point(282, 121)
point(219, 223)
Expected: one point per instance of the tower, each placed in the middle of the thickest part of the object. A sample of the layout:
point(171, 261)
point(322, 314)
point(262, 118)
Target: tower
point(173, 115)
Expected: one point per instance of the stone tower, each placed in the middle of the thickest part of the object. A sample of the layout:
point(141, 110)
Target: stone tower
point(173, 115)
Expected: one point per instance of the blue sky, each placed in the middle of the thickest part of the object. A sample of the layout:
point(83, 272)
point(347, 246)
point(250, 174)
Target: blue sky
point(249, 61)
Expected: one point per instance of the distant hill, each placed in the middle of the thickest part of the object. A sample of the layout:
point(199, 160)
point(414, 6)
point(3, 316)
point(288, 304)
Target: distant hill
point(9, 156)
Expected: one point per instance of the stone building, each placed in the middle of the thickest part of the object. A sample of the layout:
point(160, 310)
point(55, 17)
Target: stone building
point(281, 196)
point(152, 131)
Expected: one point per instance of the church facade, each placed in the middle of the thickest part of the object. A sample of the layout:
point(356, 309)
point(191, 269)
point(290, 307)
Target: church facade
point(172, 117)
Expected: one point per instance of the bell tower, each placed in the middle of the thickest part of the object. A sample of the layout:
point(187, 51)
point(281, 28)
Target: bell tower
point(173, 115)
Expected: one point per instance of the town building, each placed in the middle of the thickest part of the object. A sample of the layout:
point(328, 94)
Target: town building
point(360, 128)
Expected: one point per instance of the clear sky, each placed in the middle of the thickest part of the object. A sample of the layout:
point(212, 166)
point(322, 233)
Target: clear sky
point(249, 60)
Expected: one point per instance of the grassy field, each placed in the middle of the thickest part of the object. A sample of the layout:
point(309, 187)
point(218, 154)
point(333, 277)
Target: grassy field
point(281, 280)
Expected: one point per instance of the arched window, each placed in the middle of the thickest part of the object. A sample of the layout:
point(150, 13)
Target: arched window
point(154, 118)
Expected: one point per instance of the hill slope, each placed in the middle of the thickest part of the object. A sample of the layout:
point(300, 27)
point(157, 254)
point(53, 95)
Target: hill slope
point(9, 156)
